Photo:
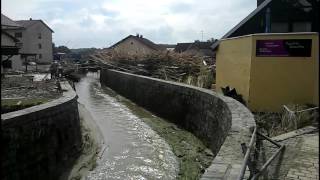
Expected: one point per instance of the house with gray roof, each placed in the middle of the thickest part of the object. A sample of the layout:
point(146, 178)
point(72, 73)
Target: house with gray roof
point(35, 37)
point(10, 46)
point(136, 46)
point(200, 49)
point(181, 47)
point(7, 23)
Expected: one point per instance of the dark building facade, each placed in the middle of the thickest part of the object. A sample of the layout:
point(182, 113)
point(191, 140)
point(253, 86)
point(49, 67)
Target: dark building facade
point(279, 16)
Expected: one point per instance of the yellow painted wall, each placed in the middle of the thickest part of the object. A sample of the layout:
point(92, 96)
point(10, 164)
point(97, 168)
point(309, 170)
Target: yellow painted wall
point(316, 88)
point(233, 65)
point(266, 83)
point(276, 81)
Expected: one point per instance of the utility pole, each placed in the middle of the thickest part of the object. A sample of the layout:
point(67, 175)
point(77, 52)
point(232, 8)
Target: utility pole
point(202, 35)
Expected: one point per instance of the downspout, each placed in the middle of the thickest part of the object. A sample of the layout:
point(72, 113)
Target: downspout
point(268, 21)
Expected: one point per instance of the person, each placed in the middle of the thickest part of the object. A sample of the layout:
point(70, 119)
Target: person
point(60, 70)
point(53, 70)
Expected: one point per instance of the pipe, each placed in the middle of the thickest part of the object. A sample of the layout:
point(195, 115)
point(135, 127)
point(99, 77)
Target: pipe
point(270, 140)
point(268, 21)
point(290, 111)
point(314, 108)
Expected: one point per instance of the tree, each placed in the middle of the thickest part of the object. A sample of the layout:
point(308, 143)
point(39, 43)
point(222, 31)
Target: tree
point(212, 40)
point(61, 49)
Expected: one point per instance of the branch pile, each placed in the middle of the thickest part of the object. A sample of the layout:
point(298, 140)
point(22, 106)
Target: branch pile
point(163, 65)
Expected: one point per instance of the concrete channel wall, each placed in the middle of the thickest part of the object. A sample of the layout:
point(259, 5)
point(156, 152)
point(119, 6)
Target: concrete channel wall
point(40, 141)
point(220, 122)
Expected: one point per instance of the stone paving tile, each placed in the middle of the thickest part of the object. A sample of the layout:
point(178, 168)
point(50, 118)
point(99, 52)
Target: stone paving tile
point(299, 161)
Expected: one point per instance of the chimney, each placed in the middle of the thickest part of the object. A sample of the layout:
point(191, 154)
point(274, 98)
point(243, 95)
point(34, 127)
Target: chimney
point(137, 35)
point(141, 36)
point(259, 2)
point(30, 19)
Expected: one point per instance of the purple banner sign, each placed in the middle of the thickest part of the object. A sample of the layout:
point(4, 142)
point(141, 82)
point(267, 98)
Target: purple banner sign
point(283, 48)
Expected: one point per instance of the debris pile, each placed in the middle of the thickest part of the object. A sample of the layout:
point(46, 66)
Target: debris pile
point(170, 66)
point(292, 117)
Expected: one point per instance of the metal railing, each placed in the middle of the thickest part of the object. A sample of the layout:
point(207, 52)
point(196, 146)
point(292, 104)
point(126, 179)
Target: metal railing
point(247, 155)
point(266, 164)
point(255, 173)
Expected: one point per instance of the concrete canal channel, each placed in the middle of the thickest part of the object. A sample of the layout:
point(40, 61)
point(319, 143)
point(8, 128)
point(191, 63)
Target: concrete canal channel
point(132, 150)
point(143, 146)
point(199, 138)
point(135, 143)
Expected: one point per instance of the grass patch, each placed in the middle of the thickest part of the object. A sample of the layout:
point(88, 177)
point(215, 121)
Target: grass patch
point(9, 105)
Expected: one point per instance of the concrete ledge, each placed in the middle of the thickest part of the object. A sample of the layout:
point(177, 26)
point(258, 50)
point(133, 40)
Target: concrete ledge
point(298, 132)
point(227, 163)
point(221, 122)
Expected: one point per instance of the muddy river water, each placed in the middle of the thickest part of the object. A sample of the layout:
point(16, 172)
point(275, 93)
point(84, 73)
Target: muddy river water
point(131, 149)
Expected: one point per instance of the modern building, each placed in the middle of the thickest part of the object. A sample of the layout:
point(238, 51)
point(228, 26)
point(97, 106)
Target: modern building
point(271, 58)
point(278, 16)
point(136, 46)
point(270, 70)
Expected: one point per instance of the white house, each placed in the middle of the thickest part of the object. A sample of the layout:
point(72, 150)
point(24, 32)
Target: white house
point(10, 46)
point(36, 39)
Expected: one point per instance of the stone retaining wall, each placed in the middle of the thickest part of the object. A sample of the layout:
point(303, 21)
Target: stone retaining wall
point(41, 141)
point(221, 122)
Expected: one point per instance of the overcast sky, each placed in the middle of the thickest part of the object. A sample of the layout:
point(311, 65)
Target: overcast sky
point(101, 23)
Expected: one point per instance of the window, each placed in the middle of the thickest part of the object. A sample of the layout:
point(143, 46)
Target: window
point(40, 56)
point(39, 45)
point(279, 27)
point(18, 34)
point(39, 35)
point(301, 27)
point(7, 64)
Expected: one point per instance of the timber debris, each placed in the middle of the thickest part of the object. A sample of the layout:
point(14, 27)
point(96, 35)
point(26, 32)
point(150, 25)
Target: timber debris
point(178, 67)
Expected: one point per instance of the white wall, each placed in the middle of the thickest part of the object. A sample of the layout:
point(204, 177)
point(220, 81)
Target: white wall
point(31, 42)
point(16, 61)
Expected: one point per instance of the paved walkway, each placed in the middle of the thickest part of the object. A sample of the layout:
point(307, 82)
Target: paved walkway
point(300, 159)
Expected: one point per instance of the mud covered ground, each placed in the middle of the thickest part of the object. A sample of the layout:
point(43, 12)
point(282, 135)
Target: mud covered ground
point(22, 91)
point(90, 148)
